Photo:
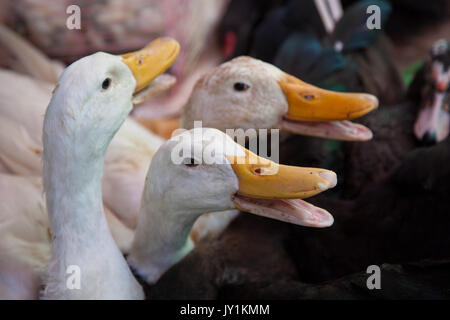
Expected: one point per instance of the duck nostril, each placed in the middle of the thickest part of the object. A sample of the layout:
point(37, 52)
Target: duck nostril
point(308, 97)
point(258, 170)
point(429, 138)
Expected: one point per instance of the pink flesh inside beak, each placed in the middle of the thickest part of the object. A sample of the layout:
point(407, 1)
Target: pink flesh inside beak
point(339, 130)
point(293, 211)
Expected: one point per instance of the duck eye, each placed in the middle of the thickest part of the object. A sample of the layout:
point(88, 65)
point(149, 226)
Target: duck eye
point(240, 86)
point(106, 83)
point(190, 163)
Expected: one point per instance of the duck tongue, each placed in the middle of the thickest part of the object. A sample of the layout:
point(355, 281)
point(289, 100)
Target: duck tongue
point(337, 130)
point(294, 211)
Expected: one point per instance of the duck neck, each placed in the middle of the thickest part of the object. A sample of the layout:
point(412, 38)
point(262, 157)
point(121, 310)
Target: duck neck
point(161, 239)
point(83, 250)
point(74, 201)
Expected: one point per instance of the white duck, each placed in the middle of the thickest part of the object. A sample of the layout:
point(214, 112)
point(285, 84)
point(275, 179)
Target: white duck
point(23, 104)
point(126, 161)
point(92, 99)
point(220, 176)
point(25, 238)
point(250, 94)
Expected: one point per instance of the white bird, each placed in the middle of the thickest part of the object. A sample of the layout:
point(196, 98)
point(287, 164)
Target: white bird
point(23, 105)
point(126, 162)
point(248, 93)
point(91, 101)
point(25, 237)
point(220, 176)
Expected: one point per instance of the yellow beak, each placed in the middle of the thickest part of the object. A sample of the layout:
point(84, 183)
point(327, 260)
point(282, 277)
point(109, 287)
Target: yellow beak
point(309, 103)
point(148, 63)
point(275, 191)
point(265, 179)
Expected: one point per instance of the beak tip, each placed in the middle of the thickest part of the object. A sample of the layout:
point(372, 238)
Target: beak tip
point(152, 60)
point(323, 219)
point(172, 42)
point(329, 222)
point(373, 101)
point(331, 180)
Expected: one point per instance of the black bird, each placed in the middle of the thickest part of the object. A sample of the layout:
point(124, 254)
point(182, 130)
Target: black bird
point(421, 119)
point(397, 130)
point(431, 86)
point(350, 58)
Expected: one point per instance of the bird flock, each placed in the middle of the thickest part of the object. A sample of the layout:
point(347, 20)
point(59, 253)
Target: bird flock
point(83, 184)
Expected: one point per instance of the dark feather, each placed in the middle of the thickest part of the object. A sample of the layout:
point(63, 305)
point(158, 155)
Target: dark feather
point(303, 56)
point(351, 29)
point(270, 35)
point(303, 45)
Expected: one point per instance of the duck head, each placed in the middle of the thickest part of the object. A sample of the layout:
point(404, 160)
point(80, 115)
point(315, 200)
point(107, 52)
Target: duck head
point(432, 123)
point(250, 94)
point(203, 170)
point(95, 94)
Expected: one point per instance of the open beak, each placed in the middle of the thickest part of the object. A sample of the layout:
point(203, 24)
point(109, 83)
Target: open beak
point(274, 191)
point(433, 121)
point(160, 84)
point(149, 62)
point(322, 113)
